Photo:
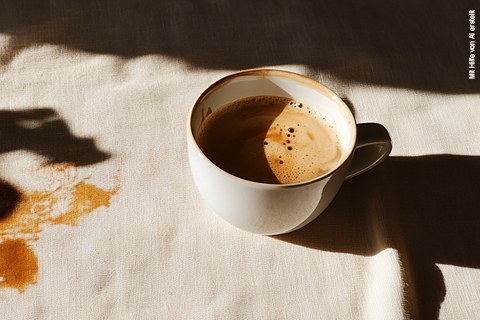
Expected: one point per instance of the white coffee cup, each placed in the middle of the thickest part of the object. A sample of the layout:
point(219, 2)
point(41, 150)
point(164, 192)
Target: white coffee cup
point(271, 209)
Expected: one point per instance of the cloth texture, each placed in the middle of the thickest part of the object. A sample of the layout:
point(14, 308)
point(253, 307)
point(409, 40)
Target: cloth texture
point(99, 214)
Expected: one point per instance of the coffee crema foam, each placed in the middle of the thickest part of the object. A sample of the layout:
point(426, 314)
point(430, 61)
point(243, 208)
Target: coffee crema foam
point(270, 139)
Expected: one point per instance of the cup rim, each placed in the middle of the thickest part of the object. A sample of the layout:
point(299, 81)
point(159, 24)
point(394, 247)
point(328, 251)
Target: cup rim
point(280, 73)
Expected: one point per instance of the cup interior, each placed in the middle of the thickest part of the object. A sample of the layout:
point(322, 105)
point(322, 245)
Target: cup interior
point(279, 83)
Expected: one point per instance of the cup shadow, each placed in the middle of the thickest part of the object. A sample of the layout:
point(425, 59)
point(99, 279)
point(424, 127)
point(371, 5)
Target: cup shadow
point(425, 207)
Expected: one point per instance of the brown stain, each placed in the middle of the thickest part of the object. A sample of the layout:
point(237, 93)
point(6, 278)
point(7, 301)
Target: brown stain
point(86, 198)
point(18, 265)
point(70, 199)
point(31, 213)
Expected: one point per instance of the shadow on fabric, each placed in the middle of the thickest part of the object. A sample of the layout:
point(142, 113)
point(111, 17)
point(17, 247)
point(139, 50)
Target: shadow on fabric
point(425, 207)
point(41, 131)
point(408, 44)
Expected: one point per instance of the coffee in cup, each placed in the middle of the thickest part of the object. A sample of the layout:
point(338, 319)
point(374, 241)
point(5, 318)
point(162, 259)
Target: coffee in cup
point(270, 139)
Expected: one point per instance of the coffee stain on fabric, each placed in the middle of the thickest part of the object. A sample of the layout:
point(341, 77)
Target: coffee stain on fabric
point(18, 265)
point(64, 200)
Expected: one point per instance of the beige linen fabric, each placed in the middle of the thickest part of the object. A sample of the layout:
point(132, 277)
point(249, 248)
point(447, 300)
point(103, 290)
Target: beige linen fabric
point(100, 217)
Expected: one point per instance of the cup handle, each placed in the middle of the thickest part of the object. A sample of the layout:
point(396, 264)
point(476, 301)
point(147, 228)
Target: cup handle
point(373, 146)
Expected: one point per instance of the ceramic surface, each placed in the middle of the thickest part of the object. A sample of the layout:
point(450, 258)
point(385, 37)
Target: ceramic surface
point(278, 208)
